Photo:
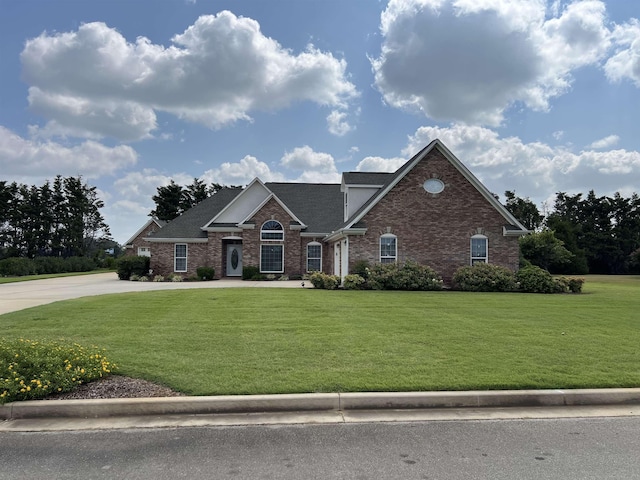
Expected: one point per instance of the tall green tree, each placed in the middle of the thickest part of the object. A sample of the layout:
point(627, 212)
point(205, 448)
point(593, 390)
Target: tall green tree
point(524, 210)
point(193, 194)
point(169, 202)
point(544, 250)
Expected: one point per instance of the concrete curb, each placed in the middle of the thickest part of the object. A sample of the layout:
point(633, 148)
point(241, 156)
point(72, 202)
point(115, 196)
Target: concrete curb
point(316, 402)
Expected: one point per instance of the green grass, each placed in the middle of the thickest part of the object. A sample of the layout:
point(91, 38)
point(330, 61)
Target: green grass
point(264, 340)
point(26, 278)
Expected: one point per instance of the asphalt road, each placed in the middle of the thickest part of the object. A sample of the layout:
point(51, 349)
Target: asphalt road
point(600, 448)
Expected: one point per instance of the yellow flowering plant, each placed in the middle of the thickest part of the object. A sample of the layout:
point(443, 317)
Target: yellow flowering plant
point(31, 369)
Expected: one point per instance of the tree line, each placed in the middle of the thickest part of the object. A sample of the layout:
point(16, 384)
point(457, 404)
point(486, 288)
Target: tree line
point(172, 200)
point(581, 234)
point(60, 219)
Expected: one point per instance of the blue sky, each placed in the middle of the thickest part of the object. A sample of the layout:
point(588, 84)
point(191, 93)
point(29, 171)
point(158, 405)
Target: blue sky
point(533, 96)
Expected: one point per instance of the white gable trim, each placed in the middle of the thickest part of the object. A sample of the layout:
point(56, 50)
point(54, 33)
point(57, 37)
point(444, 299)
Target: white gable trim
point(281, 203)
point(238, 198)
point(466, 173)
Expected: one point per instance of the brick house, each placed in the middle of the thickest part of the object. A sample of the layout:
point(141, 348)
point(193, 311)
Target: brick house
point(138, 244)
point(432, 210)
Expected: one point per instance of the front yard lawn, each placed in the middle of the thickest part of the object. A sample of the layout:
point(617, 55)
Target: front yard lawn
point(270, 340)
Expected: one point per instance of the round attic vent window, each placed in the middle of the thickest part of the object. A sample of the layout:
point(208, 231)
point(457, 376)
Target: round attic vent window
point(433, 185)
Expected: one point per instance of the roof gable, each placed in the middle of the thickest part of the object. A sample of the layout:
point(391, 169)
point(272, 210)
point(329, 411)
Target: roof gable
point(152, 220)
point(189, 224)
point(409, 165)
point(239, 209)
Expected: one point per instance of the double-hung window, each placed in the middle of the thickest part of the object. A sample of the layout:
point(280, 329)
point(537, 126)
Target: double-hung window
point(388, 248)
point(180, 257)
point(479, 249)
point(314, 257)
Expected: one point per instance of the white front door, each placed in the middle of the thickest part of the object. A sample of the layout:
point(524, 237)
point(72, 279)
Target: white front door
point(234, 260)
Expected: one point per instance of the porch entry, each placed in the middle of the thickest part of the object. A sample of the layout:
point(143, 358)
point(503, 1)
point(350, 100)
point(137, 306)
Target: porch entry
point(234, 260)
point(341, 258)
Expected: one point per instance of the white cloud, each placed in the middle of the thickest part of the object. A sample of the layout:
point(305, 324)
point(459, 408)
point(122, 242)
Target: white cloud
point(242, 172)
point(93, 82)
point(605, 142)
point(625, 63)
point(469, 61)
point(24, 158)
point(316, 167)
point(337, 124)
point(535, 169)
point(379, 164)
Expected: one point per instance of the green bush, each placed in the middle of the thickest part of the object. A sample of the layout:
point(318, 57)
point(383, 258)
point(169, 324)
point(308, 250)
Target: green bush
point(353, 282)
point(31, 369)
point(537, 280)
point(575, 285)
point(135, 265)
point(249, 271)
point(17, 267)
point(46, 265)
point(205, 273)
point(484, 277)
point(407, 276)
point(324, 281)
point(361, 267)
point(81, 264)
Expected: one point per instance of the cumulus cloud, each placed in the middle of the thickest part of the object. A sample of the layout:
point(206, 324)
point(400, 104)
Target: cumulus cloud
point(625, 63)
point(605, 142)
point(242, 172)
point(93, 82)
point(469, 61)
point(26, 158)
point(379, 164)
point(316, 167)
point(337, 123)
point(534, 169)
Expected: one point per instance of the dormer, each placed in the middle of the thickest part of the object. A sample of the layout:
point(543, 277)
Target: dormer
point(358, 187)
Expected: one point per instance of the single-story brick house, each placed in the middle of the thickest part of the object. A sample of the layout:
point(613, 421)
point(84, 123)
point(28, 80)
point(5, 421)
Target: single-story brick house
point(432, 210)
point(138, 244)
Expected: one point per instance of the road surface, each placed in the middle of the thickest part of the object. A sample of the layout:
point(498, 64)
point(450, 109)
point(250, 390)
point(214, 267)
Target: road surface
point(568, 449)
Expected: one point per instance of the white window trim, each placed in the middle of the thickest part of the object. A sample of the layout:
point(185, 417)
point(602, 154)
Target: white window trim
point(281, 232)
point(395, 256)
point(314, 244)
point(186, 257)
point(272, 271)
point(485, 257)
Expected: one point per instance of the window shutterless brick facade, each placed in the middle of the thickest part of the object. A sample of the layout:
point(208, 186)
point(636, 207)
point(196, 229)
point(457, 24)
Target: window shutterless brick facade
point(432, 223)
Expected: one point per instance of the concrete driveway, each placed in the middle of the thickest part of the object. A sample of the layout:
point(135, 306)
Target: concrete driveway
point(21, 295)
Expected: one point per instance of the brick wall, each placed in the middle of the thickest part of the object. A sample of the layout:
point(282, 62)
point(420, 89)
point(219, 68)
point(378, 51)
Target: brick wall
point(435, 230)
point(292, 241)
point(162, 258)
point(140, 241)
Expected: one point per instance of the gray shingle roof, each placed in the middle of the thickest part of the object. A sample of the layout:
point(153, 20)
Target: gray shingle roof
point(365, 178)
point(188, 225)
point(318, 205)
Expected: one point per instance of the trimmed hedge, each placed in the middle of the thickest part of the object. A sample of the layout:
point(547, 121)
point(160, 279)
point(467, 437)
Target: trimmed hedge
point(19, 266)
point(137, 265)
point(205, 273)
point(407, 276)
point(484, 277)
point(249, 272)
